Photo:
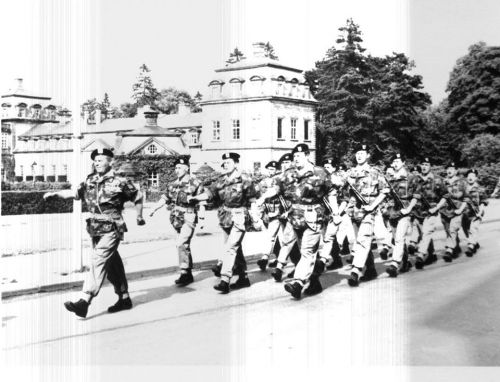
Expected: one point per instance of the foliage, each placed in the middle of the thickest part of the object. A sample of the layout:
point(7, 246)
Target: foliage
point(269, 51)
point(374, 100)
point(35, 186)
point(474, 91)
point(128, 110)
point(144, 91)
point(482, 149)
point(170, 98)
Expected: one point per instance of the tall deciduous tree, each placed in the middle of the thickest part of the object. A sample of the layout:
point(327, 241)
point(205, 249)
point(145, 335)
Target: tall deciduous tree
point(474, 91)
point(144, 92)
point(170, 98)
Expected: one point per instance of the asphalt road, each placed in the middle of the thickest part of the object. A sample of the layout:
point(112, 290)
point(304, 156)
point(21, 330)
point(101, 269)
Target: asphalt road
point(445, 315)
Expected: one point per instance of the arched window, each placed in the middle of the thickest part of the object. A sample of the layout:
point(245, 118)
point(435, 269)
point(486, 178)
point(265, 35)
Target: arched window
point(257, 84)
point(236, 87)
point(5, 109)
point(21, 110)
point(216, 88)
point(36, 111)
point(294, 84)
point(280, 87)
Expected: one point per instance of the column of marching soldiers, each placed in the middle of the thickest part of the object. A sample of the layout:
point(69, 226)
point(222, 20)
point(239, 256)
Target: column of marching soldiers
point(312, 214)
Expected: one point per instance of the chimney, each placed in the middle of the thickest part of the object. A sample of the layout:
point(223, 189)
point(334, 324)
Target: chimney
point(151, 116)
point(85, 115)
point(259, 49)
point(183, 108)
point(19, 84)
point(98, 117)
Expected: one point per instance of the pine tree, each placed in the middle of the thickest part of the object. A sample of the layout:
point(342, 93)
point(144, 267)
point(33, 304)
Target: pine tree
point(106, 105)
point(235, 56)
point(144, 92)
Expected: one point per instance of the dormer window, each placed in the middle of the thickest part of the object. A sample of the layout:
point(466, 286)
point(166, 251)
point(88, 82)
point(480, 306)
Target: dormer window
point(50, 112)
point(21, 110)
point(216, 88)
point(5, 109)
point(280, 86)
point(36, 111)
point(236, 87)
point(294, 84)
point(257, 83)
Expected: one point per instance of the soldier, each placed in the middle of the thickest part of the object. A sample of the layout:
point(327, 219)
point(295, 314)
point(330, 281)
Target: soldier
point(334, 230)
point(105, 193)
point(236, 191)
point(184, 215)
point(451, 215)
point(368, 189)
point(273, 209)
point(405, 194)
point(305, 186)
point(477, 201)
point(415, 230)
point(432, 191)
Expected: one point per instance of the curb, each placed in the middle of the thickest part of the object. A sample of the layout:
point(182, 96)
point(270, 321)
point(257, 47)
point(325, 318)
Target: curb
point(132, 276)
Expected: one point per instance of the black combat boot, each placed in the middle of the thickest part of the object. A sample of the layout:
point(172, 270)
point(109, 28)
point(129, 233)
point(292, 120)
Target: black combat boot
point(335, 264)
point(294, 288)
point(277, 274)
point(273, 264)
point(353, 280)
point(185, 279)
point(469, 252)
point(314, 287)
point(419, 263)
point(242, 282)
point(448, 256)
point(216, 268)
point(121, 304)
point(384, 253)
point(262, 263)
point(222, 287)
point(392, 270)
point(80, 308)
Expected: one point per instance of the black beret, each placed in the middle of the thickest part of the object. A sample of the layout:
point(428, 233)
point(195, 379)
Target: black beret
point(181, 160)
point(286, 157)
point(328, 161)
point(273, 164)
point(472, 171)
point(451, 164)
point(426, 160)
point(301, 148)
point(416, 168)
point(397, 156)
point(361, 147)
point(97, 152)
point(342, 167)
point(233, 156)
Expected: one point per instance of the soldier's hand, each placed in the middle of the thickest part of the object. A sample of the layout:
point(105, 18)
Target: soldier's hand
point(458, 211)
point(337, 219)
point(190, 199)
point(140, 221)
point(368, 208)
point(432, 210)
point(405, 211)
point(152, 213)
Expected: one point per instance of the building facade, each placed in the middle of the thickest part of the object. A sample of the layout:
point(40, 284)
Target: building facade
point(257, 107)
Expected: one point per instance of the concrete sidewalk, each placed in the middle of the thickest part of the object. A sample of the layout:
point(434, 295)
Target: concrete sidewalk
point(59, 269)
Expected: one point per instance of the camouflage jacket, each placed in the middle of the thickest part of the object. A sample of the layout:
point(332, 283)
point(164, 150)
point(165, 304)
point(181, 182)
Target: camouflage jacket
point(178, 190)
point(273, 206)
point(406, 187)
point(106, 195)
point(476, 194)
point(368, 180)
point(456, 192)
point(432, 189)
point(233, 190)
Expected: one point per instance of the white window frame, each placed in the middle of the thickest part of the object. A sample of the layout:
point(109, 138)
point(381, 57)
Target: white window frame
point(216, 131)
point(235, 129)
point(194, 138)
point(293, 129)
point(153, 179)
point(5, 141)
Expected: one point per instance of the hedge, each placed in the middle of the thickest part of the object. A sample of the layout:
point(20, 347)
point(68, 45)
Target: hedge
point(36, 186)
point(32, 202)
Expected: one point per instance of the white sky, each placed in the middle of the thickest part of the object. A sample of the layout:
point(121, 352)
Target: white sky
point(183, 41)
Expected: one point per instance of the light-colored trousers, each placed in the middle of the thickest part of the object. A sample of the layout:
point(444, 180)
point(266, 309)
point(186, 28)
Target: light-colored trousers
point(183, 242)
point(452, 227)
point(308, 241)
point(429, 227)
point(105, 261)
point(233, 254)
point(400, 229)
point(382, 233)
point(473, 232)
point(363, 244)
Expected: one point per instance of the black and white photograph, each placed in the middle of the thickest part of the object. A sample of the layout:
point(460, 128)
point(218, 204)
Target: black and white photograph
point(250, 190)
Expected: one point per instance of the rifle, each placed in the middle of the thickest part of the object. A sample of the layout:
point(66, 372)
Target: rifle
point(396, 197)
point(474, 209)
point(451, 202)
point(358, 195)
point(327, 205)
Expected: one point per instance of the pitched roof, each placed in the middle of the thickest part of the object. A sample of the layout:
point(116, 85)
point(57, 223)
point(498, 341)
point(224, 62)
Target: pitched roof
point(42, 129)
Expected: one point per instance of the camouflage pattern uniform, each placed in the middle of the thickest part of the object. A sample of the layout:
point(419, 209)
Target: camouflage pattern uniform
point(475, 197)
point(370, 183)
point(407, 187)
point(105, 197)
point(432, 190)
point(235, 191)
point(184, 215)
point(456, 193)
point(305, 190)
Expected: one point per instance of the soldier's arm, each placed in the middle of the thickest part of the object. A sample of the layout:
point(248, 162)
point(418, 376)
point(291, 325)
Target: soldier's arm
point(139, 206)
point(384, 191)
point(415, 189)
point(160, 204)
point(73, 193)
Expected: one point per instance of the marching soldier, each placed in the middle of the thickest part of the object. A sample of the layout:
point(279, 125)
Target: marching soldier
point(236, 191)
point(415, 230)
point(105, 193)
point(477, 201)
point(335, 230)
point(305, 186)
point(273, 209)
point(183, 217)
point(368, 189)
point(451, 215)
point(404, 189)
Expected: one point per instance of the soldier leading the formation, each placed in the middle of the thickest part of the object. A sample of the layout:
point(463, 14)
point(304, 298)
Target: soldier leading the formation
point(105, 193)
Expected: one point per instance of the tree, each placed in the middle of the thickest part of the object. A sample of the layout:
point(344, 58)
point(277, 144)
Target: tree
point(170, 98)
point(269, 51)
point(128, 110)
point(474, 91)
point(105, 105)
point(197, 100)
point(235, 56)
point(481, 150)
point(91, 105)
point(366, 99)
point(144, 92)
